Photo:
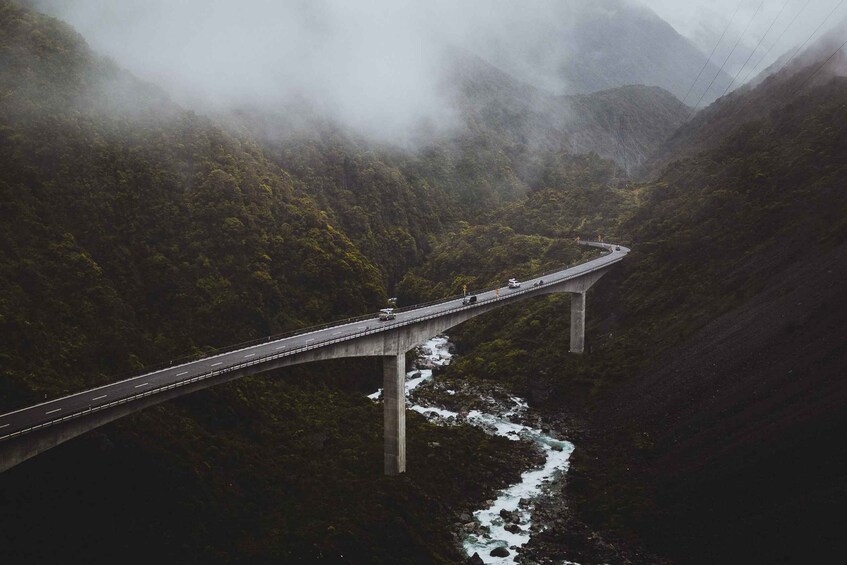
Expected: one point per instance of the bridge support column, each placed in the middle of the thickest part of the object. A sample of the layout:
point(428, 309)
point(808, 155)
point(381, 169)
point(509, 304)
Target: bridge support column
point(577, 322)
point(394, 406)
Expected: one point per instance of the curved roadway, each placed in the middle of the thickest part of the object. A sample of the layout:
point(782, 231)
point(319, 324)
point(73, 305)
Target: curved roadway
point(81, 403)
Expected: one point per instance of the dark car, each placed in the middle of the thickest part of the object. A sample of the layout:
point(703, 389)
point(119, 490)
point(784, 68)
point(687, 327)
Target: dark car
point(469, 299)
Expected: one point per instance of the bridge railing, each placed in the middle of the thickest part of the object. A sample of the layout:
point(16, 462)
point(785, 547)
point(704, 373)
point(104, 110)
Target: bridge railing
point(299, 349)
point(212, 352)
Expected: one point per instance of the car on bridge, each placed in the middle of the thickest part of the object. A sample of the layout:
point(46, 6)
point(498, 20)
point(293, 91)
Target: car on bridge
point(387, 314)
point(514, 283)
point(469, 299)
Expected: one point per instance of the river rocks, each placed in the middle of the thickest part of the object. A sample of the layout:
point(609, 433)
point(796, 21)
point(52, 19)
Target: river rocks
point(513, 528)
point(514, 516)
point(499, 552)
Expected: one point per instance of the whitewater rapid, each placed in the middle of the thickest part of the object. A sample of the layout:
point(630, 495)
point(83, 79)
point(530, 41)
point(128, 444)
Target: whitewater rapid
point(517, 501)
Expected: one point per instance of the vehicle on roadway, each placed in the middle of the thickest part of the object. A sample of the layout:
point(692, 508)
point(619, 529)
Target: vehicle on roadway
point(469, 299)
point(387, 314)
point(514, 283)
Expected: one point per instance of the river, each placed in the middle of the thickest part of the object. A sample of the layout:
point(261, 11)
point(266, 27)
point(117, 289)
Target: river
point(506, 524)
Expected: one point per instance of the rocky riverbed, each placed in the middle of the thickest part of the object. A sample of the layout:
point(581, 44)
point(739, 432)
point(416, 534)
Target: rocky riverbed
point(498, 532)
point(529, 522)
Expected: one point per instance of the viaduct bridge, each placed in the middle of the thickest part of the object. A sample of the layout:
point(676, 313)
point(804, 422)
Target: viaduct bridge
point(29, 431)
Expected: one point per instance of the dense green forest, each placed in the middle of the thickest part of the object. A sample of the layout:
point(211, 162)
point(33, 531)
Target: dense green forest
point(134, 231)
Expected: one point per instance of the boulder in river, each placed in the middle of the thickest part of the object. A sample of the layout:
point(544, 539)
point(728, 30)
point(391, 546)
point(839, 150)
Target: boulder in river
point(499, 552)
point(514, 516)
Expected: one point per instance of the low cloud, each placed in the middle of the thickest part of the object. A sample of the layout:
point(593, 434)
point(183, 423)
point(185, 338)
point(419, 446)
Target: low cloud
point(376, 66)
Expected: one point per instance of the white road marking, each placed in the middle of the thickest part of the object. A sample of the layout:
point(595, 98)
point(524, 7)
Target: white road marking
point(182, 373)
point(308, 340)
point(216, 364)
point(141, 385)
point(250, 355)
point(3, 426)
point(361, 327)
point(100, 397)
point(280, 347)
point(336, 333)
point(51, 411)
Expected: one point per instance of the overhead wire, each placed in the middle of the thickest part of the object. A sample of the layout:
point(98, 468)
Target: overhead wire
point(806, 81)
point(775, 43)
point(811, 36)
point(694, 109)
point(817, 70)
point(750, 100)
point(770, 27)
point(709, 60)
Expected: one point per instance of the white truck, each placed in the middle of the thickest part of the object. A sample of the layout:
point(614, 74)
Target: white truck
point(387, 314)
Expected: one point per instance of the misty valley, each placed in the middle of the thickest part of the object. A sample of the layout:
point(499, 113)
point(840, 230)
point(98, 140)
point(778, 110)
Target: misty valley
point(436, 282)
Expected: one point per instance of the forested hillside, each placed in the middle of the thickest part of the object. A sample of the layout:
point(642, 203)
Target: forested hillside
point(135, 232)
point(128, 219)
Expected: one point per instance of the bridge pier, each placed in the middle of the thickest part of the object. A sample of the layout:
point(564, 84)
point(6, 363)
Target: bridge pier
point(577, 322)
point(394, 407)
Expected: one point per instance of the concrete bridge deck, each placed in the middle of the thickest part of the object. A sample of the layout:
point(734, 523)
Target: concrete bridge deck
point(26, 432)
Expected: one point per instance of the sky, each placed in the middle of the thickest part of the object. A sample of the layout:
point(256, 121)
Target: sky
point(371, 63)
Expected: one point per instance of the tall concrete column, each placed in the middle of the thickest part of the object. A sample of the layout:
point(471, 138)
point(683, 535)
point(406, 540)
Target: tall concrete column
point(577, 322)
point(394, 397)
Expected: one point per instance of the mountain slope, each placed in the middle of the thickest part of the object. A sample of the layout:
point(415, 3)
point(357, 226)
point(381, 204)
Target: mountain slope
point(623, 124)
point(722, 447)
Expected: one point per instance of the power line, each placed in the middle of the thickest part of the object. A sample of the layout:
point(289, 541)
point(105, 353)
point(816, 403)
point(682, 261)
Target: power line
point(756, 49)
point(778, 39)
point(822, 65)
point(694, 109)
point(811, 36)
point(709, 60)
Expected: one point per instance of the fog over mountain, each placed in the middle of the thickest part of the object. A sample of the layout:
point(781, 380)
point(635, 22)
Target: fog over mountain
point(377, 67)
point(784, 24)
